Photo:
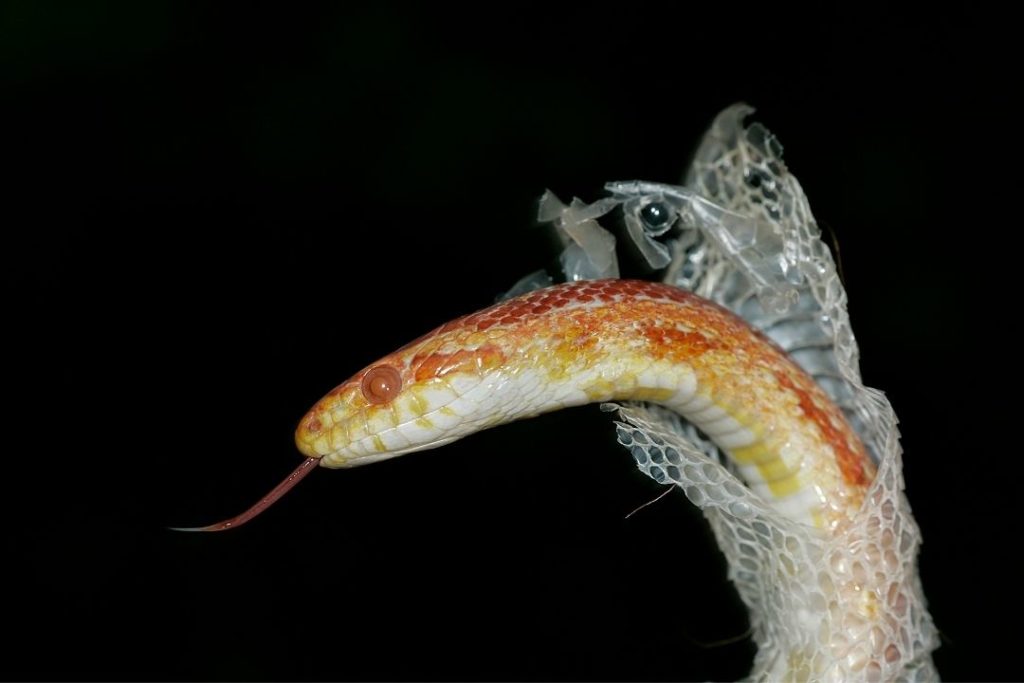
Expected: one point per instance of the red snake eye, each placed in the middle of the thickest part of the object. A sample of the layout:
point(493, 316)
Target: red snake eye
point(381, 384)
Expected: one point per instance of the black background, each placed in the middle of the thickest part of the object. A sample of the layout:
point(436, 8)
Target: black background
point(213, 215)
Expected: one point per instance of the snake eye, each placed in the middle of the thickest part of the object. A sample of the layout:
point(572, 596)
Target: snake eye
point(381, 384)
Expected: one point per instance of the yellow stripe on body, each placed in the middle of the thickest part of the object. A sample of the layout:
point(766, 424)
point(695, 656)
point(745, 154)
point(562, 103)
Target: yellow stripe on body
point(780, 479)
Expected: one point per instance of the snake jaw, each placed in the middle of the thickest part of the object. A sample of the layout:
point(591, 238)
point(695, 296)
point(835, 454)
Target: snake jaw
point(339, 461)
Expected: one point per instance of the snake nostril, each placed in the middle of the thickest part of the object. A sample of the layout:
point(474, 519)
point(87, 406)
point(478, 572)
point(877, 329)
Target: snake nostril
point(314, 425)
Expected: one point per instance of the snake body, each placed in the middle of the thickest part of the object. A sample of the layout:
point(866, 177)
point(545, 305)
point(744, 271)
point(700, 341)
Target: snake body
point(605, 340)
point(821, 544)
point(830, 598)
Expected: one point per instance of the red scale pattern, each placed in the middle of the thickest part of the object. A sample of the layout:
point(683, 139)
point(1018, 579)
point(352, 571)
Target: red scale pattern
point(553, 298)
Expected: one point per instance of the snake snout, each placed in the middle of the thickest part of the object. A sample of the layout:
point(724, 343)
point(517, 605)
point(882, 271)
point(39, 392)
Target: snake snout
point(308, 433)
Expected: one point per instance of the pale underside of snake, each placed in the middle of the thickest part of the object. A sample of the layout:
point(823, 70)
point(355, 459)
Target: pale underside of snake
point(596, 341)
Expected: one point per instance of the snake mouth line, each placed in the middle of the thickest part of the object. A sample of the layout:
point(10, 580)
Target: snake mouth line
point(337, 461)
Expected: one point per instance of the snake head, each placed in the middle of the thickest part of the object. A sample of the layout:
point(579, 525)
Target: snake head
point(424, 395)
